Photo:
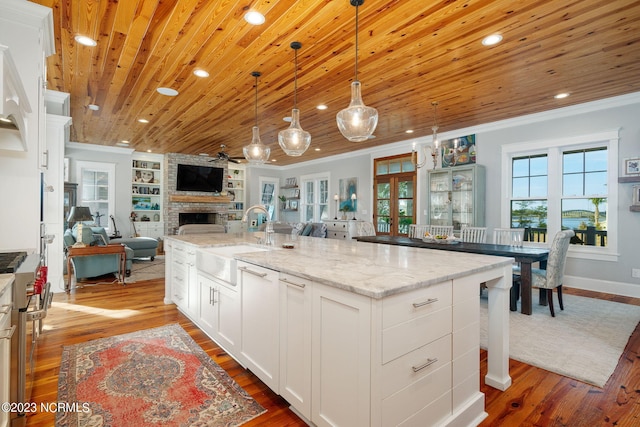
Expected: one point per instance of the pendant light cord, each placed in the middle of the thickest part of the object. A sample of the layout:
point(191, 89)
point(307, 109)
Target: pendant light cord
point(357, 5)
point(295, 81)
point(256, 101)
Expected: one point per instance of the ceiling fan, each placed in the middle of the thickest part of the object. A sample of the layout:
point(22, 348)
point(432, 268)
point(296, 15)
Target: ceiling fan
point(223, 155)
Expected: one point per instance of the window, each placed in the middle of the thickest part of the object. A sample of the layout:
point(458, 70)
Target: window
point(395, 184)
point(314, 200)
point(565, 184)
point(96, 190)
point(268, 198)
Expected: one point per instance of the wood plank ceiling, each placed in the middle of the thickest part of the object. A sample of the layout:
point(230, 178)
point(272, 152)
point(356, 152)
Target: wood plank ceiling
point(411, 52)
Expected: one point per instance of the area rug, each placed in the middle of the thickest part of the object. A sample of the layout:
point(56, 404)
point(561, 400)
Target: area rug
point(145, 269)
point(584, 341)
point(154, 377)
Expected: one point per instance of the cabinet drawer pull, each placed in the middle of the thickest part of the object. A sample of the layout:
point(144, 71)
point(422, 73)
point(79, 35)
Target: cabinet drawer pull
point(255, 273)
point(429, 362)
point(7, 333)
point(289, 282)
point(423, 303)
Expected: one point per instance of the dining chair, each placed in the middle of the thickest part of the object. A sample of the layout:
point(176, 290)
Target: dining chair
point(366, 228)
point(508, 236)
point(441, 230)
point(473, 234)
point(550, 278)
point(416, 231)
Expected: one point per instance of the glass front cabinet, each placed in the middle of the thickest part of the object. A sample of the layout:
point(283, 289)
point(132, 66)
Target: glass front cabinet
point(456, 196)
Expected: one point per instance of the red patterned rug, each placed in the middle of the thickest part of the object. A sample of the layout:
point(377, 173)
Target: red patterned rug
point(154, 377)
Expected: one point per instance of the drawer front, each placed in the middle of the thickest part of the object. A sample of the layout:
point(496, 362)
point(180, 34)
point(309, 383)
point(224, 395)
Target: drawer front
point(413, 366)
point(411, 305)
point(406, 337)
point(336, 235)
point(420, 394)
point(337, 226)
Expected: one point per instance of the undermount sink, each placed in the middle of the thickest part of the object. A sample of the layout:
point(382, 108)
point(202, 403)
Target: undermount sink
point(219, 261)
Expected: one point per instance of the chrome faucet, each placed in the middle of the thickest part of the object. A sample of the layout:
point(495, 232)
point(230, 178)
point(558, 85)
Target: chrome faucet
point(269, 228)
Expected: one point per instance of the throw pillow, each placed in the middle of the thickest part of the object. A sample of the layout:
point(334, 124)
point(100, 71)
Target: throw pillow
point(307, 230)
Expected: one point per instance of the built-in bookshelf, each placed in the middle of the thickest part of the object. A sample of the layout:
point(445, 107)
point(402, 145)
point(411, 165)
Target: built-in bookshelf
point(146, 194)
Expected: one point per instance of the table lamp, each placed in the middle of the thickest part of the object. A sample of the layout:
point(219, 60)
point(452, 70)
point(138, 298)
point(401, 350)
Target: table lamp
point(77, 215)
point(353, 203)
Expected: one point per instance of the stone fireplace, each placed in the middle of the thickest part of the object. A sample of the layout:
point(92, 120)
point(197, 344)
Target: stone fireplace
point(188, 207)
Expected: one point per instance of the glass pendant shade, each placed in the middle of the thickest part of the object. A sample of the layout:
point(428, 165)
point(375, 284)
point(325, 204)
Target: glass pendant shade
point(357, 122)
point(256, 153)
point(294, 141)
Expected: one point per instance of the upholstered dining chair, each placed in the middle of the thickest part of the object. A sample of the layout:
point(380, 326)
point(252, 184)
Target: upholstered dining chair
point(551, 278)
point(473, 234)
point(441, 230)
point(508, 236)
point(416, 231)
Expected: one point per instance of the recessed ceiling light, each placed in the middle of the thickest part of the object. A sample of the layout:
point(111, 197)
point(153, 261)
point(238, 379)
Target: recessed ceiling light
point(561, 95)
point(203, 154)
point(273, 160)
point(254, 18)
point(316, 149)
point(167, 91)
point(84, 40)
point(94, 107)
point(124, 141)
point(322, 107)
point(408, 131)
point(287, 119)
point(200, 73)
point(149, 150)
point(492, 39)
point(122, 144)
point(371, 137)
point(143, 120)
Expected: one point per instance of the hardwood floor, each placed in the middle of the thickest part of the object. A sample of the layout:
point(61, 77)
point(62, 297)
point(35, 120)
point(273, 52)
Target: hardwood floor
point(536, 398)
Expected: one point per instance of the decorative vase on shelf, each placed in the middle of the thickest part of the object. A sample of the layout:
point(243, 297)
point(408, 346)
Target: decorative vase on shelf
point(344, 216)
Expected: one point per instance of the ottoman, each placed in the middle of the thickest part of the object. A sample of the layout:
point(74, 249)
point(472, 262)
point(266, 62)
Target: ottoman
point(142, 246)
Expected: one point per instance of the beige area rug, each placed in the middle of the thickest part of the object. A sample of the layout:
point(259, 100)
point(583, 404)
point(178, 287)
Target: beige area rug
point(145, 269)
point(584, 342)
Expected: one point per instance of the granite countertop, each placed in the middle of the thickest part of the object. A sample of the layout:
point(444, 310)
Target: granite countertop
point(370, 269)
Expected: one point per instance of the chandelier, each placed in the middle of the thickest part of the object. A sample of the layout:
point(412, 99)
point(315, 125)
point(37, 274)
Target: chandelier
point(256, 153)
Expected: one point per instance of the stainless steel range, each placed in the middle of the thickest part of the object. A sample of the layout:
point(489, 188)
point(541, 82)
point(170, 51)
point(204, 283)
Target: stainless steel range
point(31, 298)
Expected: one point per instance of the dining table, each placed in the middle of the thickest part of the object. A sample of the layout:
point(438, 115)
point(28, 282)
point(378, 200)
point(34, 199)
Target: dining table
point(525, 255)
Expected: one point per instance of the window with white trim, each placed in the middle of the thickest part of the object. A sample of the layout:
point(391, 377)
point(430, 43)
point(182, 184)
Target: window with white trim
point(314, 198)
point(564, 184)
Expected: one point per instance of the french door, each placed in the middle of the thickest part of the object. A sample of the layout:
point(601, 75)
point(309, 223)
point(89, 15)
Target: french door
point(394, 197)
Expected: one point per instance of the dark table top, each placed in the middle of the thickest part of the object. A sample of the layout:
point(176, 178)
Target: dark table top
point(521, 254)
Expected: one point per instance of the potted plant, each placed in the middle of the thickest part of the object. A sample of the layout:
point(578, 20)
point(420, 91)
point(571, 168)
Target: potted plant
point(283, 201)
point(344, 209)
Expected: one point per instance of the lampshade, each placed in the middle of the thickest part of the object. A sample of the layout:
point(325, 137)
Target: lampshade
point(256, 152)
point(357, 122)
point(294, 141)
point(79, 213)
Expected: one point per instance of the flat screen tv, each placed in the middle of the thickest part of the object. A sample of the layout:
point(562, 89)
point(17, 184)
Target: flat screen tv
point(199, 178)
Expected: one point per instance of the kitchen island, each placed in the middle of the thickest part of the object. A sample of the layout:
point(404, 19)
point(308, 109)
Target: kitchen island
point(350, 333)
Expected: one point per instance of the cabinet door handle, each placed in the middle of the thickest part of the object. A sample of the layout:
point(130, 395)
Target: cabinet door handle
point(255, 273)
point(429, 362)
point(6, 308)
point(212, 296)
point(289, 282)
point(6, 334)
point(423, 303)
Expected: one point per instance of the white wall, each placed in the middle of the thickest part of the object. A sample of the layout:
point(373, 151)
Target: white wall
point(620, 112)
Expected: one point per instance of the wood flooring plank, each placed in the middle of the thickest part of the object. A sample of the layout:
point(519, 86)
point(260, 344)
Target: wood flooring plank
point(536, 398)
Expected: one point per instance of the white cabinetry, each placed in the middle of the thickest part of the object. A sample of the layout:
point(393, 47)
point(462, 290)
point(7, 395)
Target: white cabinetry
point(220, 312)
point(185, 292)
point(342, 229)
point(259, 348)
point(146, 194)
point(295, 342)
point(340, 358)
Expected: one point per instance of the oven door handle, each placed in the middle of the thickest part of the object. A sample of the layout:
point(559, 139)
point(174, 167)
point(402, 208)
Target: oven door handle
point(6, 334)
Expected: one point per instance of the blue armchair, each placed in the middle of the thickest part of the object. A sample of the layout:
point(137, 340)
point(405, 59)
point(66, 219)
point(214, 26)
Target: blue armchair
point(95, 265)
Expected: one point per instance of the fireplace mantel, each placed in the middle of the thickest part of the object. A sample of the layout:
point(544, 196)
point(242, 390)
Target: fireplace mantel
point(186, 198)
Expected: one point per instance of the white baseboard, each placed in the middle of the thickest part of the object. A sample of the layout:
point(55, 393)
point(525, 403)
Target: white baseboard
point(609, 287)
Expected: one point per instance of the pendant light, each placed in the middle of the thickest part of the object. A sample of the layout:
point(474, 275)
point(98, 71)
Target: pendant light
point(357, 122)
point(256, 153)
point(294, 140)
